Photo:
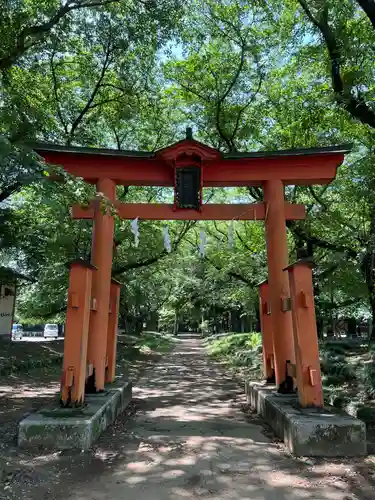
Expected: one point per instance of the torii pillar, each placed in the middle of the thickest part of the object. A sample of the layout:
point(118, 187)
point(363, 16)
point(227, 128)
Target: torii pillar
point(102, 254)
point(277, 255)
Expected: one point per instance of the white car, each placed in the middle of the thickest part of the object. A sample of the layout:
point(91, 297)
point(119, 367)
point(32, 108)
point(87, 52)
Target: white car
point(51, 331)
point(17, 331)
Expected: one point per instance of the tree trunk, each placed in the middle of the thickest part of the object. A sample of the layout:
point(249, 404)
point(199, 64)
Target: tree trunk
point(320, 325)
point(368, 270)
point(175, 325)
point(371, 333)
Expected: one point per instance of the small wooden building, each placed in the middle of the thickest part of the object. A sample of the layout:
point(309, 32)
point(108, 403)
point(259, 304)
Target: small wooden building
point(8, 290)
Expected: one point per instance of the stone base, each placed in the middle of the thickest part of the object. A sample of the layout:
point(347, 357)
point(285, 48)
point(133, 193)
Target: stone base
point(307, 431)
point(59, 428)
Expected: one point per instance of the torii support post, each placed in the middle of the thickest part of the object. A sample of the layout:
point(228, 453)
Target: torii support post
point(76, 334)
point(102, 253)
point(277, 256)
point(112, 330)
point(309, 379)
point(266, 327)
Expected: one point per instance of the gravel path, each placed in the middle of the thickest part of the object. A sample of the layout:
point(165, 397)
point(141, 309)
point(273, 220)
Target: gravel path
point(191, 437)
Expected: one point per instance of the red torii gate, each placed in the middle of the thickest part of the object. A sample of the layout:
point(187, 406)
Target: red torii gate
point(188, 166)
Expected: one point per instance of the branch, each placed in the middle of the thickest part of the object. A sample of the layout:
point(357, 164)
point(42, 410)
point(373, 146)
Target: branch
point(316, 241)
point(356, 107)
point(227, 140)
point(195, 92)
point(369, 8)
point(89, 102)
point(317, 197)
point(345, 303)
point(124, 194)
point(220, 231)
point(327, 272)
point(59, 113)
point(232, 274)
point(137, 265)
point(158, 139)
point(255, 192)
point(294, 194)
point(32, 35)
point(118, 140)
point(242, 241)
point(161, 255)
point(101, 103)
point(113, 86)
point(232, 26)
point(53, 313)
point(5, 193)
point(244, 108)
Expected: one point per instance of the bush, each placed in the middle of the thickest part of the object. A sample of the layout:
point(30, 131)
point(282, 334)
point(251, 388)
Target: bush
point(336, 369)
point(204, 327)
point(333, 380)
point(155, 342)
point(335, 397)
point(167, 320)
point(248, 358)
point(232, 344)
point(367, 414)
point(239, 351)
point(334, 349)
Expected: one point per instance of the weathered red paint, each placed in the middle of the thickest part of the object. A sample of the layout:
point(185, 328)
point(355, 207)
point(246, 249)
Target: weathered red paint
point(308, 374)
point(76, 334)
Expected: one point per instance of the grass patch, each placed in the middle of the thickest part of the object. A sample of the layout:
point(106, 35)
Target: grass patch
point(229, 345)
point(22, 357)
point(348, 375)
point(131, 347)
point(241, 352)
point(136, 352)
point(348, 371)
point(157, 342)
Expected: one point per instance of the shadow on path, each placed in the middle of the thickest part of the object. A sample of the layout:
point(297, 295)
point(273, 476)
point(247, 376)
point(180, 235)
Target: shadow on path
point(189, 439)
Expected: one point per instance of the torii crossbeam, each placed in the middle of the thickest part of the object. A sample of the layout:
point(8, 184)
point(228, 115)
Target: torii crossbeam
point(210, 211)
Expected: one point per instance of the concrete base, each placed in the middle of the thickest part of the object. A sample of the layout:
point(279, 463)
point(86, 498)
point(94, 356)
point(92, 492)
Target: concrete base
point(58, 428)
point(306, 431)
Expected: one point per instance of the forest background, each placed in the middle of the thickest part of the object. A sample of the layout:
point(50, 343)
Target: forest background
point(253, 75)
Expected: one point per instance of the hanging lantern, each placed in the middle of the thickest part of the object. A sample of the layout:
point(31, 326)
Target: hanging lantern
point(188, 187)
point(188, 181)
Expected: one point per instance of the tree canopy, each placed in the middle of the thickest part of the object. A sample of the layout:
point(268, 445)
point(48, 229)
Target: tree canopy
point(246, 75)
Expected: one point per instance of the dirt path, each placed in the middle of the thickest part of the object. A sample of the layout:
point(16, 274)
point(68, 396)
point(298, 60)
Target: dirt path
point(190, 439)
point(40, 475)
